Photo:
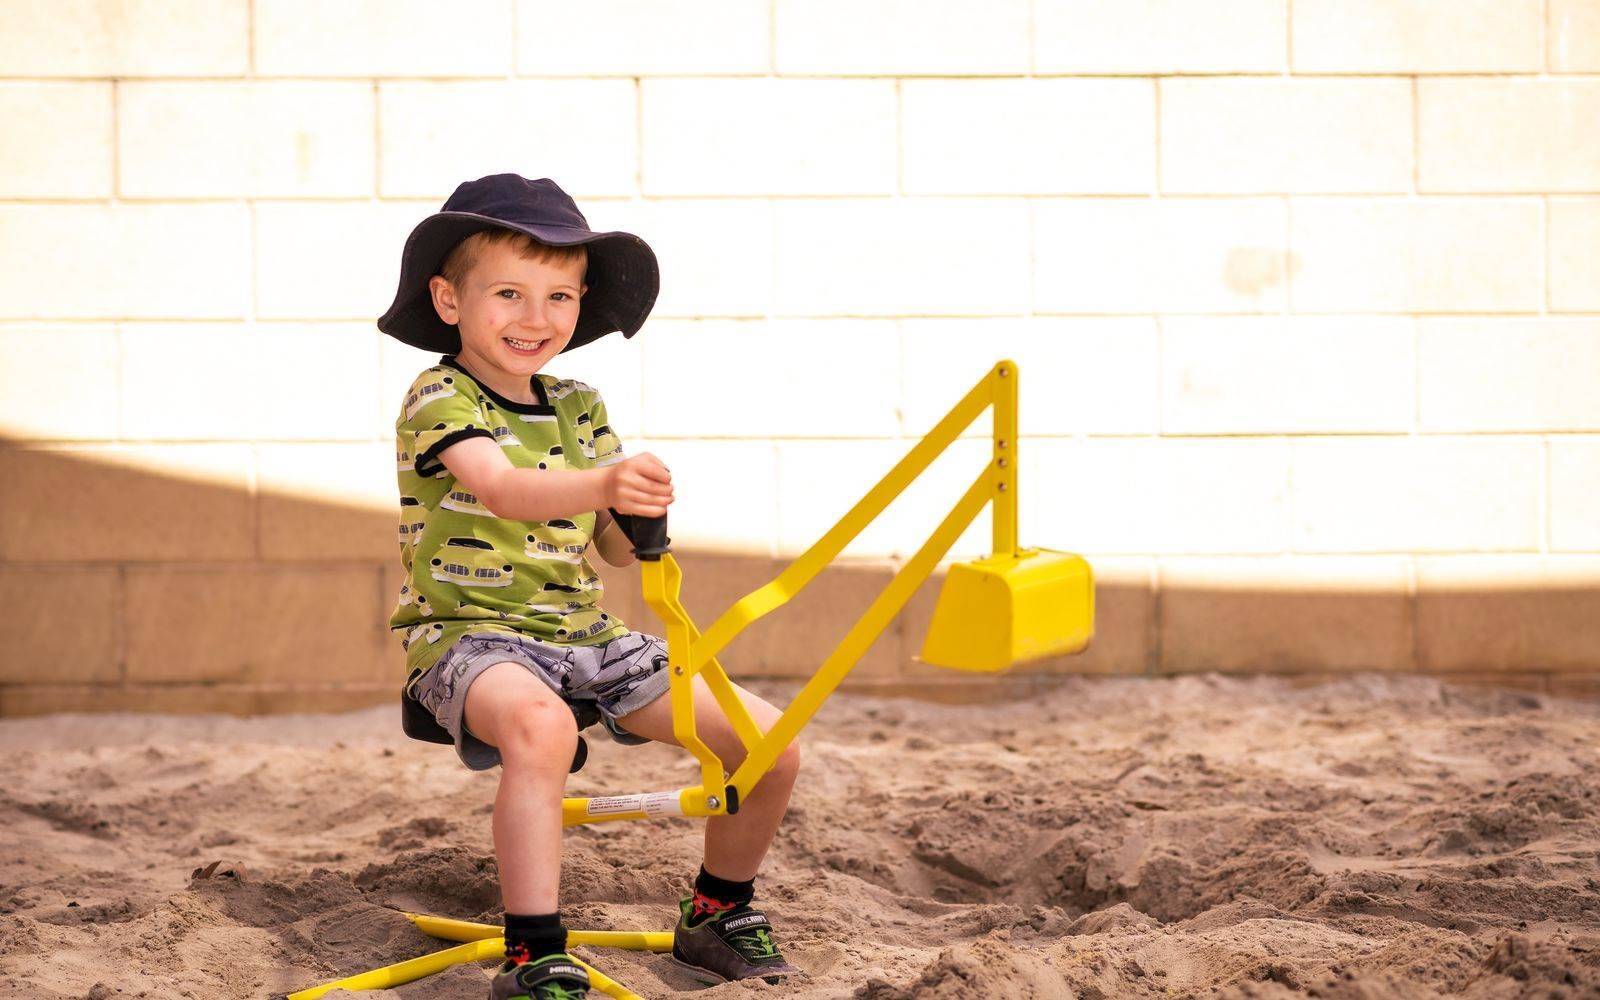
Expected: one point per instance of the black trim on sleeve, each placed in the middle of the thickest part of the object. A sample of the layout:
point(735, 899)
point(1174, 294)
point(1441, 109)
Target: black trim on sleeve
point(420, 466)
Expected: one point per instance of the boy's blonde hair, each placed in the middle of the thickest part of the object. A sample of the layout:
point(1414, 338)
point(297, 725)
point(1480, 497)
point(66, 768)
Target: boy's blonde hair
point(465, 254)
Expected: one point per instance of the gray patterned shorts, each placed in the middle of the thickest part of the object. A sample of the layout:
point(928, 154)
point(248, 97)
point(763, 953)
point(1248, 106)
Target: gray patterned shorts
point(616, 677)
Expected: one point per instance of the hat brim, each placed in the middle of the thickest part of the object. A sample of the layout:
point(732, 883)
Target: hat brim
point(622, 276)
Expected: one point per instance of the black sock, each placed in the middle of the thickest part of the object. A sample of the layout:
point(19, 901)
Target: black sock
point(531, 936)
point(723, 891)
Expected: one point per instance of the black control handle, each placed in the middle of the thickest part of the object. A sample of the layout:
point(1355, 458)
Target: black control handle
point(648, 534)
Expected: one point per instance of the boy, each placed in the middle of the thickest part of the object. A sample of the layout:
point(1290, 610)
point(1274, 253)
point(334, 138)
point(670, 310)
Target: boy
point(506, 475)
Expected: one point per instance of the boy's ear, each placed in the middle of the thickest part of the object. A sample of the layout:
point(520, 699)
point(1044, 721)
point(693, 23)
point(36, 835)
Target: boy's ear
point(444, 299)
point(582, 289)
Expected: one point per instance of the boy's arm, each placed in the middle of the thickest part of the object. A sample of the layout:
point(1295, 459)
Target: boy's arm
point(479, 464)
point(609, 540)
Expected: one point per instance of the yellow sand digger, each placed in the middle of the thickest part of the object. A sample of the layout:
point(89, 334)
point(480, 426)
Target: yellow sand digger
point(1013, 606)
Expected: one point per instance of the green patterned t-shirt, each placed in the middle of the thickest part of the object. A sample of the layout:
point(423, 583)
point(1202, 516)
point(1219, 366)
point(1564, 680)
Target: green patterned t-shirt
point(468, 570)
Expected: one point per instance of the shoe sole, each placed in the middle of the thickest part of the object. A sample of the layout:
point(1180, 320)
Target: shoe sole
point(699, 974)
point(718, 978)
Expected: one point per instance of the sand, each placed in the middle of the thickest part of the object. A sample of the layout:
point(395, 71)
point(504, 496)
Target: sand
point(1200, 836)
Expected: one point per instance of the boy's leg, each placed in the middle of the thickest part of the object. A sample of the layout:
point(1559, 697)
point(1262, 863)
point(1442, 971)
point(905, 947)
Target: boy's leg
point(735, 845)
point(511, 709)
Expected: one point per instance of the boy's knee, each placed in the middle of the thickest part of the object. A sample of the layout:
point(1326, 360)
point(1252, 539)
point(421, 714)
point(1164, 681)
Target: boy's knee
point(539, 731)
point(787, 766)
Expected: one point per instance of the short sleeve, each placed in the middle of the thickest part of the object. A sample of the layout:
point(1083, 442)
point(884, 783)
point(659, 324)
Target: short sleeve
point(440, 409)
point(607, 443)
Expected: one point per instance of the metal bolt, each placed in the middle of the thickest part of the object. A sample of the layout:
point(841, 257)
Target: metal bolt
point(1002, 487)
point(1001, 463)
point(1004, 372)
point(712, 802)
point(1001, 444)
point(678, 671)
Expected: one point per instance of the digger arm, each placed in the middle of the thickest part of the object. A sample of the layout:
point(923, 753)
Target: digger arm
point(692, 653)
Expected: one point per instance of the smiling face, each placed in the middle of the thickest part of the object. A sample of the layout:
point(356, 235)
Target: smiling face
point(515, 313)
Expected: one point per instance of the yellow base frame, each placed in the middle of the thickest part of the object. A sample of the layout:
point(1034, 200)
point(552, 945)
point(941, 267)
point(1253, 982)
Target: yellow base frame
point(691, 652)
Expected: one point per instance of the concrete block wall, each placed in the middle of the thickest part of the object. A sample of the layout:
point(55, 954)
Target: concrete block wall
point(1305, 295)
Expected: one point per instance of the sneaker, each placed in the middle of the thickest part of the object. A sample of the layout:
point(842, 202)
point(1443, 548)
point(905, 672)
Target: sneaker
point(733, 944)
point(553, 977)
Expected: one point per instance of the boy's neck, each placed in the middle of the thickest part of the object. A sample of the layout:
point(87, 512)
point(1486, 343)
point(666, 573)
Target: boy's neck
point(510, 386)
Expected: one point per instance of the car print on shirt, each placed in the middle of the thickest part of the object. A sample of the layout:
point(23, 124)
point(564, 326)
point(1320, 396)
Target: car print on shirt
point(465, 502)
point(403, 462)
point(432, 386)
point(564, 387)
point(409, 597)
point(429, 631)
point(465, 610)
point(550, 589)
point(555, 458)
point(471, 562)
point(411, 522)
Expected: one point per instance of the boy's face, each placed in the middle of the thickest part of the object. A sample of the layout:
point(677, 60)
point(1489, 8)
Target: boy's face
point(514, 314)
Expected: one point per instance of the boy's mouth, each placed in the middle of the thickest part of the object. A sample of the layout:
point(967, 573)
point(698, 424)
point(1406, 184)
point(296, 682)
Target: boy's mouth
point(528, 347)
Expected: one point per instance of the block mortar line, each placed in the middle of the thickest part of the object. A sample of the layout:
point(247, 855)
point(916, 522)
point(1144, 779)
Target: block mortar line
point(1156, 591)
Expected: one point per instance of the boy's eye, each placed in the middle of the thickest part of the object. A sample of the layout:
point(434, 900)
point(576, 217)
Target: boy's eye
point(506, 291)
point(563, 295)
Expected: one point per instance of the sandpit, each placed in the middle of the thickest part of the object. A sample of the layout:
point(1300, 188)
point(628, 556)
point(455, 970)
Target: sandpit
point(1199, 836)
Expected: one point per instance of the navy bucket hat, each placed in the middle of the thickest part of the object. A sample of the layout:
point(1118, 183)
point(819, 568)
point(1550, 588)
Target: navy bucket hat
point(622, 275)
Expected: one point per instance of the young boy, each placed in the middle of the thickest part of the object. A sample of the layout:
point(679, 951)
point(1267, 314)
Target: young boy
point(506, 475)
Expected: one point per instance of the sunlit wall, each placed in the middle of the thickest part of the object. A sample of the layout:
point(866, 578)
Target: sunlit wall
point(1305, 295)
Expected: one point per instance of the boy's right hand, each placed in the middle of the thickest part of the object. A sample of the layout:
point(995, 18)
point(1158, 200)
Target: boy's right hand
point(640, 485)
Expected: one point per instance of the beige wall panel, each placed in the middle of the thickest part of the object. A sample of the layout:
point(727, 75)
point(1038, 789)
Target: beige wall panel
point(1574, 265)
point(64, 624)
point(725, 493)
point(900, 37)
point(797, 639)
point(382, 38)
point(1574, 36)
point(906, 246)
point(1172, 255)
point(114, 261)
point(1575, 493)
point(624, 38)
point(1277, 615)
point(1028, 136)
point(437, 135)
point(337, 404)
point(284, 139)
point(187, 503)
point(768, 136)
point(1417, 494)
point(716, 256)
point(1124, 614)
point(1418, 36)
point(58, 138)
point(331, 260)
point(1249, 136)
point(1141, 496)
point(190, 382)
point(1080, 375)
point(700, 382)
point(1508, 613)
point(1160, 36)
point(35, 404)
point(820, 481)
point(1286, 375)
point(1447, 255)
point(1467, 128)
point(327, 502)
point(1508, 374)
point(126, 37)
point(301, 624)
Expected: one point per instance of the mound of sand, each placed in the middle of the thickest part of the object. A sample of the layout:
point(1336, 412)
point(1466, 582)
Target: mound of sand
point(1199, 836)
